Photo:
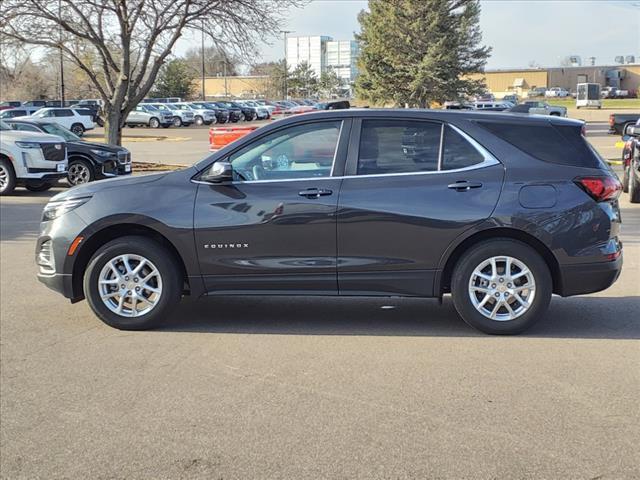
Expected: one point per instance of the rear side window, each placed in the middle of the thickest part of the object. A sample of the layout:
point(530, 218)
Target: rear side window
point(398, 146)
point(564, 145)
point(63, 113)
point(408, 146)
point(458, 152)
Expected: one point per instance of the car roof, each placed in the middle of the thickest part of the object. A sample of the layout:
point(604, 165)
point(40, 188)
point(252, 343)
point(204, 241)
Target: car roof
point(440, 114)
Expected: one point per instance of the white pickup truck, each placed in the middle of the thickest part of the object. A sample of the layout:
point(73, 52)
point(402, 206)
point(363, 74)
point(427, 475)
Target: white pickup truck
point(31, 160)
point(67, 117)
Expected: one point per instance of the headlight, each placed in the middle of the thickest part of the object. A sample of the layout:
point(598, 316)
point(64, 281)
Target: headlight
point(55, 209)
point(28, 144)
point(102, 153)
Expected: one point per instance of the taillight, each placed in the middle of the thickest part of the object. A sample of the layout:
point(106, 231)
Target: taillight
point(611, 120)
point(600, 189)
point(583, 130)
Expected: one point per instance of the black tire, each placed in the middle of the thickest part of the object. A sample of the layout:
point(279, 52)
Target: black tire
point(172, 280)
point(634, 187)
point(625, 179)
point(154, 123)
point(80, 172)
point(198, 121)
point(38, 186)
point(7, 177)
point(78, 129)
point(177, 122)
point(480, 252)
point(99, 122)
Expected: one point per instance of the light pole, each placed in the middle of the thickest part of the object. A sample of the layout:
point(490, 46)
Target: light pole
point(204, 98)
point(286, 68)
point(61, 58)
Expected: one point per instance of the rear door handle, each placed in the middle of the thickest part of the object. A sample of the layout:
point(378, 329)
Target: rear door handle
point(463, 186)
point(315, 192)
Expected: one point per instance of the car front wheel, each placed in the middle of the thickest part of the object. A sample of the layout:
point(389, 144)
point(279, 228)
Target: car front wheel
point(154, 123)
point(79, 172)
point(38, 186)
point(501, 286)
point(132, 283)
point(7, 177)
point(177, 122)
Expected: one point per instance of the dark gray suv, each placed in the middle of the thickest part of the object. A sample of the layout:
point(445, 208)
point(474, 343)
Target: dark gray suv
point(500, 210)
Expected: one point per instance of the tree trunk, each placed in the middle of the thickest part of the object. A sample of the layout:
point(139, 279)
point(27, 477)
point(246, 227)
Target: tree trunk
point(113, 127)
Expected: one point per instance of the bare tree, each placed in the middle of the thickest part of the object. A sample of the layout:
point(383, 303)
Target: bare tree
point(121, 44)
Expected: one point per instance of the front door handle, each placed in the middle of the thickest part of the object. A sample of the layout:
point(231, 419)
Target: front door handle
point(463, 186)
point(315, 192)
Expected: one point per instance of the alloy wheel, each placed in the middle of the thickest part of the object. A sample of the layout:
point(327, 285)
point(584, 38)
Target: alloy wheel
point(78, 174)
point(4, 178)
point(130, 285)
point(502, 288)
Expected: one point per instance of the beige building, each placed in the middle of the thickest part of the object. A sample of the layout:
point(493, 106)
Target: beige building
point(238, 87)
point(505, 82)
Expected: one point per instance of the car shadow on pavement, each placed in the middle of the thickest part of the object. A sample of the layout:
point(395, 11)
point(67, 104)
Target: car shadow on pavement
point(578, 317)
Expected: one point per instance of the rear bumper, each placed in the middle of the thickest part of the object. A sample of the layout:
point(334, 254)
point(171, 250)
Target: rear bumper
point(589, 277)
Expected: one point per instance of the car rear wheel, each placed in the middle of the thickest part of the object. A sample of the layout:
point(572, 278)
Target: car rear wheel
point(78, 129)
point(501, 286)
point(132, 283)
point(154, 123)
point(79, 172)
point(7, 177)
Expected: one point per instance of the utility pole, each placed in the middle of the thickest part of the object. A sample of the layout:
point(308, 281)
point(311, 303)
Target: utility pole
point(286, 68)
point(204, 98)
point(61, 57)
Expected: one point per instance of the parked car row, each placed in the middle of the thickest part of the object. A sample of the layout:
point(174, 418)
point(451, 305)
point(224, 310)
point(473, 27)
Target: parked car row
point(37, 152)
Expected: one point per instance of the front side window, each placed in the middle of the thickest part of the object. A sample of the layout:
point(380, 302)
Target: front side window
point(398, 146)
point(302, 151)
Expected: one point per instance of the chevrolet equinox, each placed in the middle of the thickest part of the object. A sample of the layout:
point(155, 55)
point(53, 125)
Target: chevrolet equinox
point(499, 210)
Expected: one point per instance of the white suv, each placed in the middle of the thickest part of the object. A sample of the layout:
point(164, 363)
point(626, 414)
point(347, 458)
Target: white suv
point(556, 92)
point(67, 117)
point(32, 160)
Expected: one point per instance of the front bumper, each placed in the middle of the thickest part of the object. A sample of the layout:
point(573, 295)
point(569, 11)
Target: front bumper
point(586, 278)
point(58, 282)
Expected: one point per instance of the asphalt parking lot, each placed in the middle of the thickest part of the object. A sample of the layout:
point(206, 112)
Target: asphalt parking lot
point(313, 388)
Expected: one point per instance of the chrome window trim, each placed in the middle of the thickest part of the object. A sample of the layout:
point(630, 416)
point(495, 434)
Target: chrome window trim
point(489, 161)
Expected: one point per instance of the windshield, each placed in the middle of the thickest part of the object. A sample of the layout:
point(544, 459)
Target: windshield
point(4, 126)
point(55, 129)
point(150, 107)
point(183, 107)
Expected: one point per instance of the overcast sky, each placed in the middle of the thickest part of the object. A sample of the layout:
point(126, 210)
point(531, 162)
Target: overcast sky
point(520, 31)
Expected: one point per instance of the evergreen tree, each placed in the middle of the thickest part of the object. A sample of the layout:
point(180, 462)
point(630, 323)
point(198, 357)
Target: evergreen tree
point(416, 52)
point(303, 81)
point(330, 84)
point(175, 79)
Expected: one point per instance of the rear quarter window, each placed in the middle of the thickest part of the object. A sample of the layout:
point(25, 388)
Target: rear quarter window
point(561, 144)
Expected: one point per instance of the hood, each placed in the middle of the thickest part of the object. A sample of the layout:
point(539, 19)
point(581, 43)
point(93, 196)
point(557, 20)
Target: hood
point(98, 146)
point(20, 136)
point(91, 188)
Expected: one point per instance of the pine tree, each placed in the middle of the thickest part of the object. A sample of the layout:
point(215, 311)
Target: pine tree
point(415, 52)
point(175, 79)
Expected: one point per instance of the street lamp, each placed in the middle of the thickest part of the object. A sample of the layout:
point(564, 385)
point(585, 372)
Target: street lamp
point(286, 68)
point(204, 97)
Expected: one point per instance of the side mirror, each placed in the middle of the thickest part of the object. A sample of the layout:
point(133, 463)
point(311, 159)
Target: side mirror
point(218, 172)
point(631, 131)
